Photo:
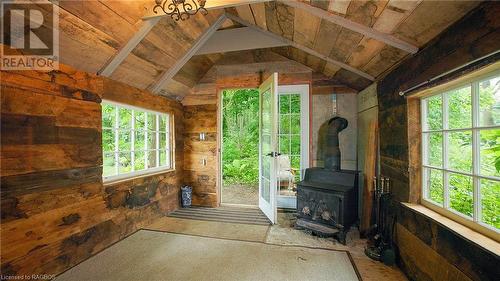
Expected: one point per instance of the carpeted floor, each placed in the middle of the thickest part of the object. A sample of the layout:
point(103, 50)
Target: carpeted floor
point(152, 255)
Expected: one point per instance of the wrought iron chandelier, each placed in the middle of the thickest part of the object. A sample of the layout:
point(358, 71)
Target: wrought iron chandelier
point(180, 9)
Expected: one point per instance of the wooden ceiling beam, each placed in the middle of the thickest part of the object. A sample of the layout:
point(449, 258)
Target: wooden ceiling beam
point(354, 26)
point(113, 63)
point(209, 5)
point(303, 48)
point(168, 74)
point(238, 39)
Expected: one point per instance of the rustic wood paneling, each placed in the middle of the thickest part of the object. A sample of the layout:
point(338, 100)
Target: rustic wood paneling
point(202, 176)
point(419, 236)
point(91, 32)
point(472, 37)
point(56, 212)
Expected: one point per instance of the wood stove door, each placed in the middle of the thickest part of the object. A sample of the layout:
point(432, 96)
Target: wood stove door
point(268, 146)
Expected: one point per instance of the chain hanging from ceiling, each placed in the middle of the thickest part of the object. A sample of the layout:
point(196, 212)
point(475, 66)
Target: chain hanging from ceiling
point(180, 9)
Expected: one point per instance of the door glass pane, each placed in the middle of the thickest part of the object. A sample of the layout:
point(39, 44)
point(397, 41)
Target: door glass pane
point(434, 113)
point(461, 194)
point(459, 108)
point(295, 145)
point(284, 145)
point(489, 102)
point(266, 144)
point(284, 127)
point(289, 138)
point(434, 149)
point(295, 103)
point(284, 104)
point(295, 162)
point(295, 123)
point(460, 151)
point(266, 189)
point(490, 202)
point(490, 152)
point(434, 183)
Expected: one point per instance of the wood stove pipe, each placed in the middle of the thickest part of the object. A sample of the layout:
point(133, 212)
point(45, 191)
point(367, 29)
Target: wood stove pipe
point(332, 151)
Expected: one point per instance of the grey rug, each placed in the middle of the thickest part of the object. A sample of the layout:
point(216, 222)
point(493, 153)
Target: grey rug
point(150, 255)
point(223, 214)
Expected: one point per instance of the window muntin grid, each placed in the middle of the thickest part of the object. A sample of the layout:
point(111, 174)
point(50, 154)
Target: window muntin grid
point(135, 141)
point(289, 129)
point(454, 129)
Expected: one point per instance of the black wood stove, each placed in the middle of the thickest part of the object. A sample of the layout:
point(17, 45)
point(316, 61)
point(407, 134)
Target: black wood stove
point(327, 202)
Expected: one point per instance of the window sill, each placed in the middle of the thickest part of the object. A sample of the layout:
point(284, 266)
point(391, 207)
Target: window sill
point(131, 178)
point(468, 234)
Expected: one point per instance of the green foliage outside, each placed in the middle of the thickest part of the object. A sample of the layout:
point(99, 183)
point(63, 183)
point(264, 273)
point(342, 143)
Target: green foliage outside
point(240, 133)
point(460, 150)
point(125, 131)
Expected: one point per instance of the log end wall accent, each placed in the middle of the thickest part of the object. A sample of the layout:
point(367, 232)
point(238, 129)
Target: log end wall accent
point(56, 212)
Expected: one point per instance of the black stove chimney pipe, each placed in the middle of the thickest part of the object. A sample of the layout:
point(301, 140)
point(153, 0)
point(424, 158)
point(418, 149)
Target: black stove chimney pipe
point(332, 150)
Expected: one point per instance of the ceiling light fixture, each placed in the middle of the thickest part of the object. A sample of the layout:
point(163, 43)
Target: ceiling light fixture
point(180, 9)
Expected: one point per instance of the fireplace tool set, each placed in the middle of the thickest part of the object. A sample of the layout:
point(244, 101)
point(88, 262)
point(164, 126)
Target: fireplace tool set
point(379, 247)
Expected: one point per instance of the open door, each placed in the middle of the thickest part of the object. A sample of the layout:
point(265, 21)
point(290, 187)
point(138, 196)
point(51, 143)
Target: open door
point(268, 146)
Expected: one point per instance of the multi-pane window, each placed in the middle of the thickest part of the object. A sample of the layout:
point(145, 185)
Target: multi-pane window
point(289, 130)
point(461, 150)
point(134, 141)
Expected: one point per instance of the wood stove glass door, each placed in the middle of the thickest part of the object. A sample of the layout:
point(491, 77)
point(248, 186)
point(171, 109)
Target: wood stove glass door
point(268, 146)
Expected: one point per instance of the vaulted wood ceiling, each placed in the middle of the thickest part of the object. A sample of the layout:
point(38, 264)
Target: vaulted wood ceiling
point(92, 32)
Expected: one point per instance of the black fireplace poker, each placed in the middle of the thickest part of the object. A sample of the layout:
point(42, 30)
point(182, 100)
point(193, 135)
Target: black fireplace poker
point(378, 246)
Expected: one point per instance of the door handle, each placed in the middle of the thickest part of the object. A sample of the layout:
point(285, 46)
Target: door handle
point(273, 154)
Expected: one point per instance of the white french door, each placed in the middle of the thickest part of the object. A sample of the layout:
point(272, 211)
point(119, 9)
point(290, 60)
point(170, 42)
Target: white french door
point(293, 142)
point(268, 146)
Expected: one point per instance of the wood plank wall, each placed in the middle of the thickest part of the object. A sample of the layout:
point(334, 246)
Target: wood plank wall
point(474, 36)
point(202, 176)
point(55, 210)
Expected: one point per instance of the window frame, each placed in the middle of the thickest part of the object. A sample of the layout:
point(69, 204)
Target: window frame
point(474, 222)
point(170, 147)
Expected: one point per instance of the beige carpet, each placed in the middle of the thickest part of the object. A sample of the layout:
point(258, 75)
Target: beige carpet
point(151, 255)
